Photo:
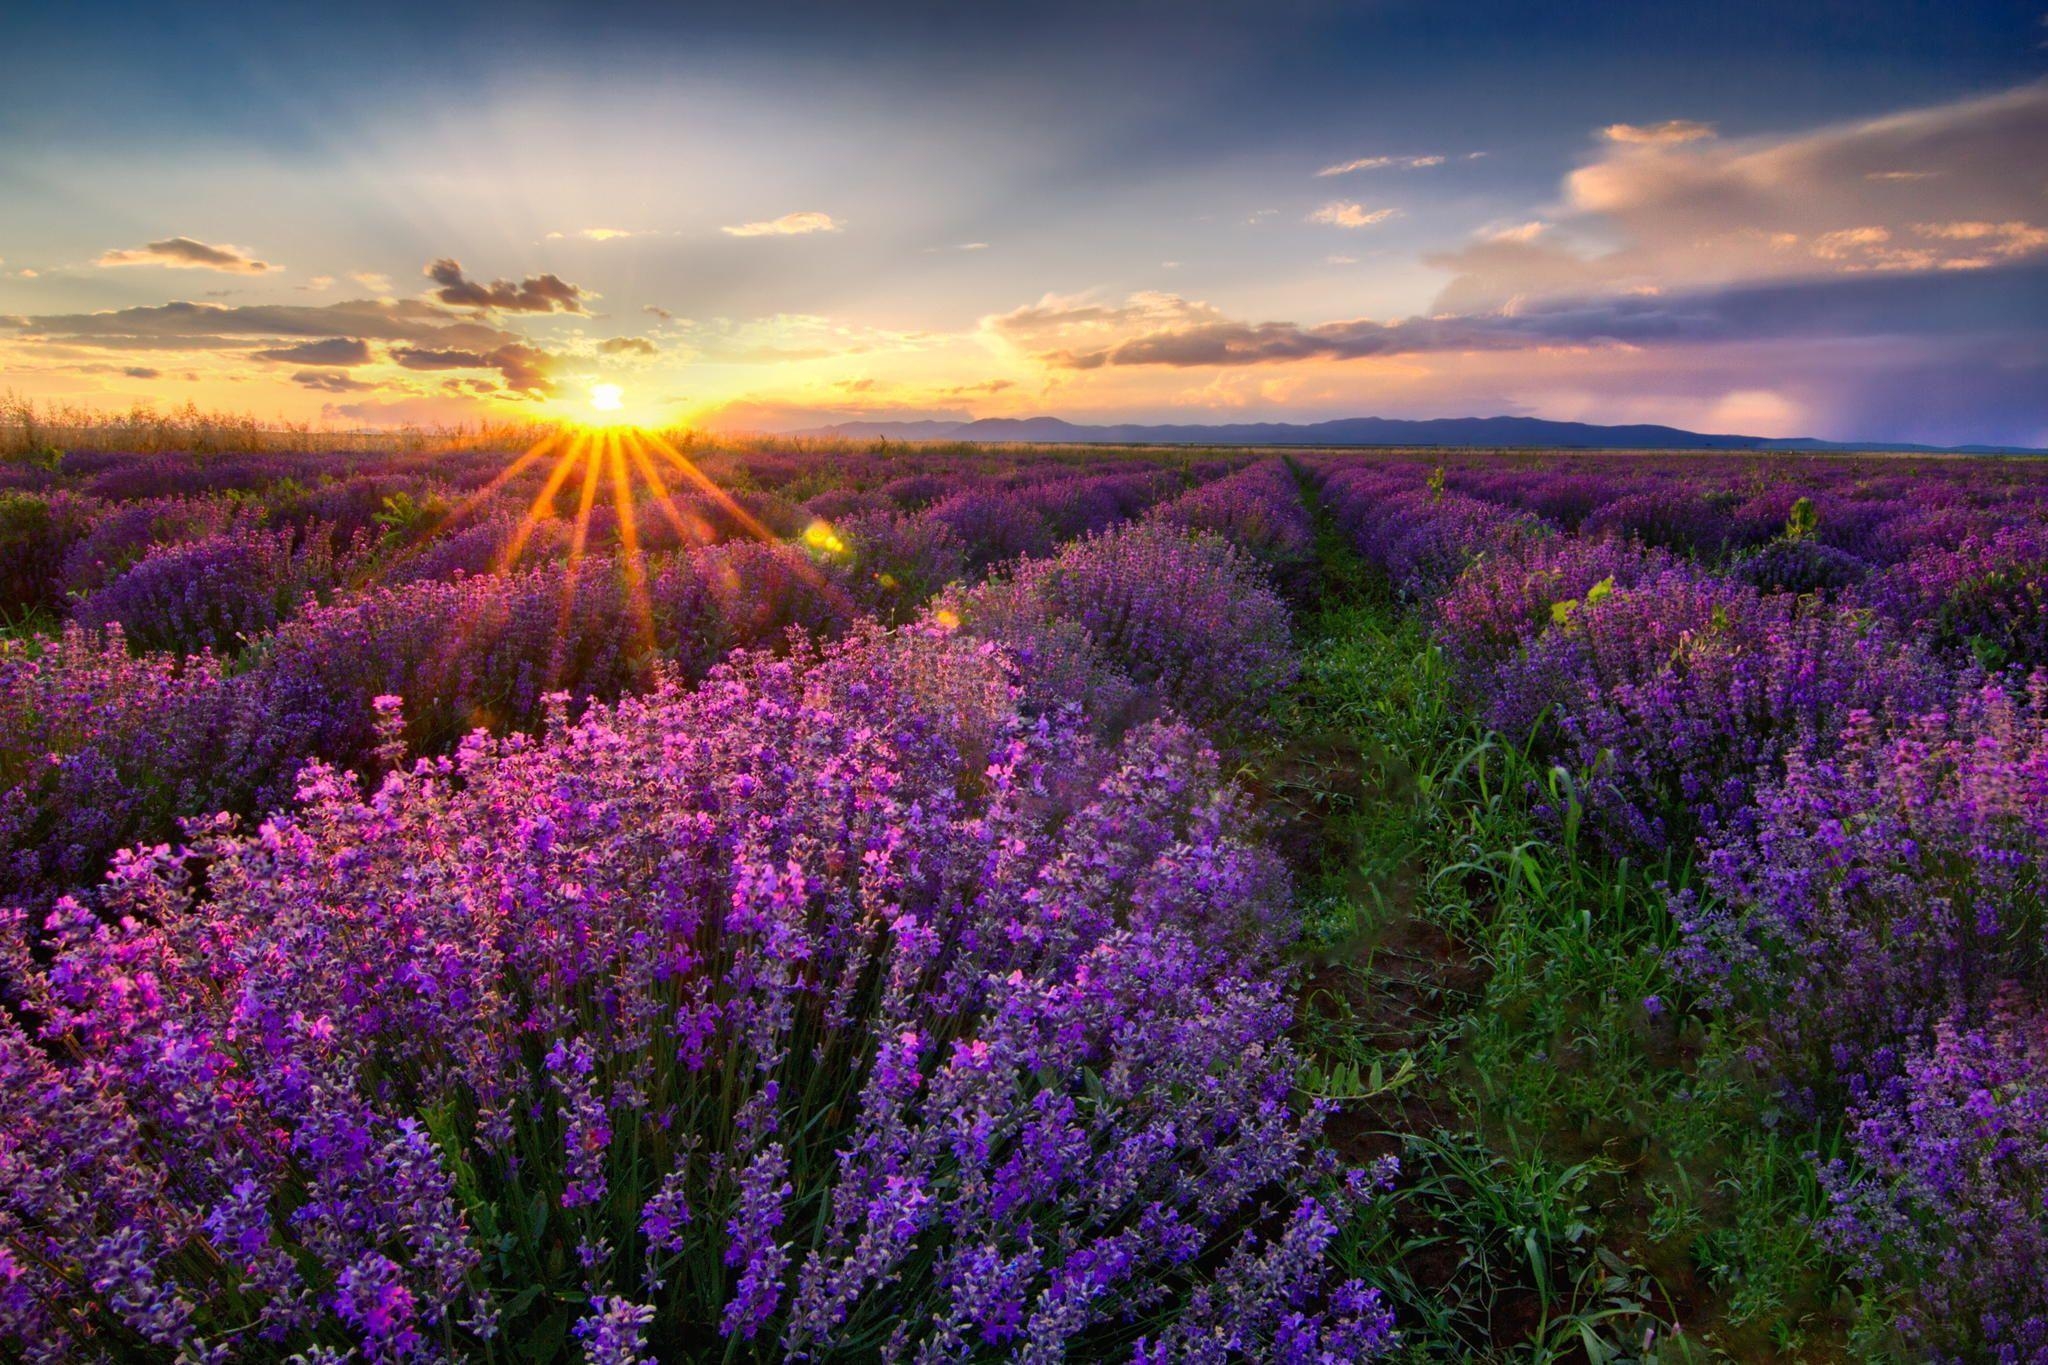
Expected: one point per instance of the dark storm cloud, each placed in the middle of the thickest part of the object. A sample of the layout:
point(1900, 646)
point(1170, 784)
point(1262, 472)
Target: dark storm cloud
point(535, 294)
point(627, 346)
point(338, 351)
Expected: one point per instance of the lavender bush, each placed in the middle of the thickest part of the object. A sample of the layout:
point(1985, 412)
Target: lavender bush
point(98, 748)
point(1259, 510)
point(218, 593)
point(1192, 618)
point(37, 532)
point(1678, 695)
point(1893, 879)
point(1942, 1213)
point(831, 1009)
point(128, 531)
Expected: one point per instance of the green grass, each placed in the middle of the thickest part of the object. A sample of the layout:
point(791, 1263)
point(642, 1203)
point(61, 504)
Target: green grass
point(1590, 1171)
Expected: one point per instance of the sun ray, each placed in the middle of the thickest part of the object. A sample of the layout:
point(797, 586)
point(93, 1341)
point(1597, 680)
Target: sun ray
point(565, 465)
point(629, 542)
point(664, 500)
point(536, 451)
point(703, 482)
point(587, 456)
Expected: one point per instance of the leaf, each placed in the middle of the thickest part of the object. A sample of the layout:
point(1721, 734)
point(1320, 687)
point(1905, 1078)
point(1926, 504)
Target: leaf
point(548, 1337)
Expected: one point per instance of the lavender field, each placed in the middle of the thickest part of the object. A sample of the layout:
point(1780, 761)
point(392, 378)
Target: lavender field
point(648, 899)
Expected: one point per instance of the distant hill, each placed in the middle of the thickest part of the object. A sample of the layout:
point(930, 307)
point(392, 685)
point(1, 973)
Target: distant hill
point(1510, 432)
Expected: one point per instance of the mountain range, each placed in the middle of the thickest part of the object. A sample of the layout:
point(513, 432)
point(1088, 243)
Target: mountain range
point(1488, 432)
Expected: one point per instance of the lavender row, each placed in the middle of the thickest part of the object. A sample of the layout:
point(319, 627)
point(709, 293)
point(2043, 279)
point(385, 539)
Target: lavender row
point(1862, 782)
point(452, 623)
point(885, 999)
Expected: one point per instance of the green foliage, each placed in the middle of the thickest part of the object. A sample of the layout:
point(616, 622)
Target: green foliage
point(1560, 612)
point(406, 519)
point(1803, 522)
point(1589, 1170)
point(37, 454)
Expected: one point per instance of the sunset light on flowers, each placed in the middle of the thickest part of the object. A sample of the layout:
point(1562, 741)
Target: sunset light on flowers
point(1169, 684)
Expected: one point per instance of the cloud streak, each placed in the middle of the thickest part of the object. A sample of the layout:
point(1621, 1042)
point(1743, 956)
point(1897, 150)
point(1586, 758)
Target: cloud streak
point(335, 351)
point(797, 224)
point(525, 369)
point(184, 253)
point(1669, 133)
point(1345, 213)
point(1378, 163)
point(186, 325)
point(326, 381)
point(1180, 333)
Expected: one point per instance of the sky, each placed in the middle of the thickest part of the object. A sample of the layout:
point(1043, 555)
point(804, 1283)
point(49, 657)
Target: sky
point(1782, 219)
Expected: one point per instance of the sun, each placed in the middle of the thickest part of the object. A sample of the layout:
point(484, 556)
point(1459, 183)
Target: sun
point(607, 397)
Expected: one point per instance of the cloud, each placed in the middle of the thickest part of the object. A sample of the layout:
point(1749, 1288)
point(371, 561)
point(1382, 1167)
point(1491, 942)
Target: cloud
point(372, 281)
point(1230, 343)
point(422, 358)
point(788, 225)
point(526, 369)
point(1375, 163)
point(417, 410)
point(183, 253)
point(1677, 214)
point(211, 326)
point(319, 284)
point(185, 325)
point(627, 346)
point(534, 294)
point(598, 234)
point(339, 351)
point(1999, 241)
point(140, 372)
point(1063, 322)
point(326, 381)
point(1665, 134)
point(1344, 213)
point(752, 413)
point(1179, 333)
